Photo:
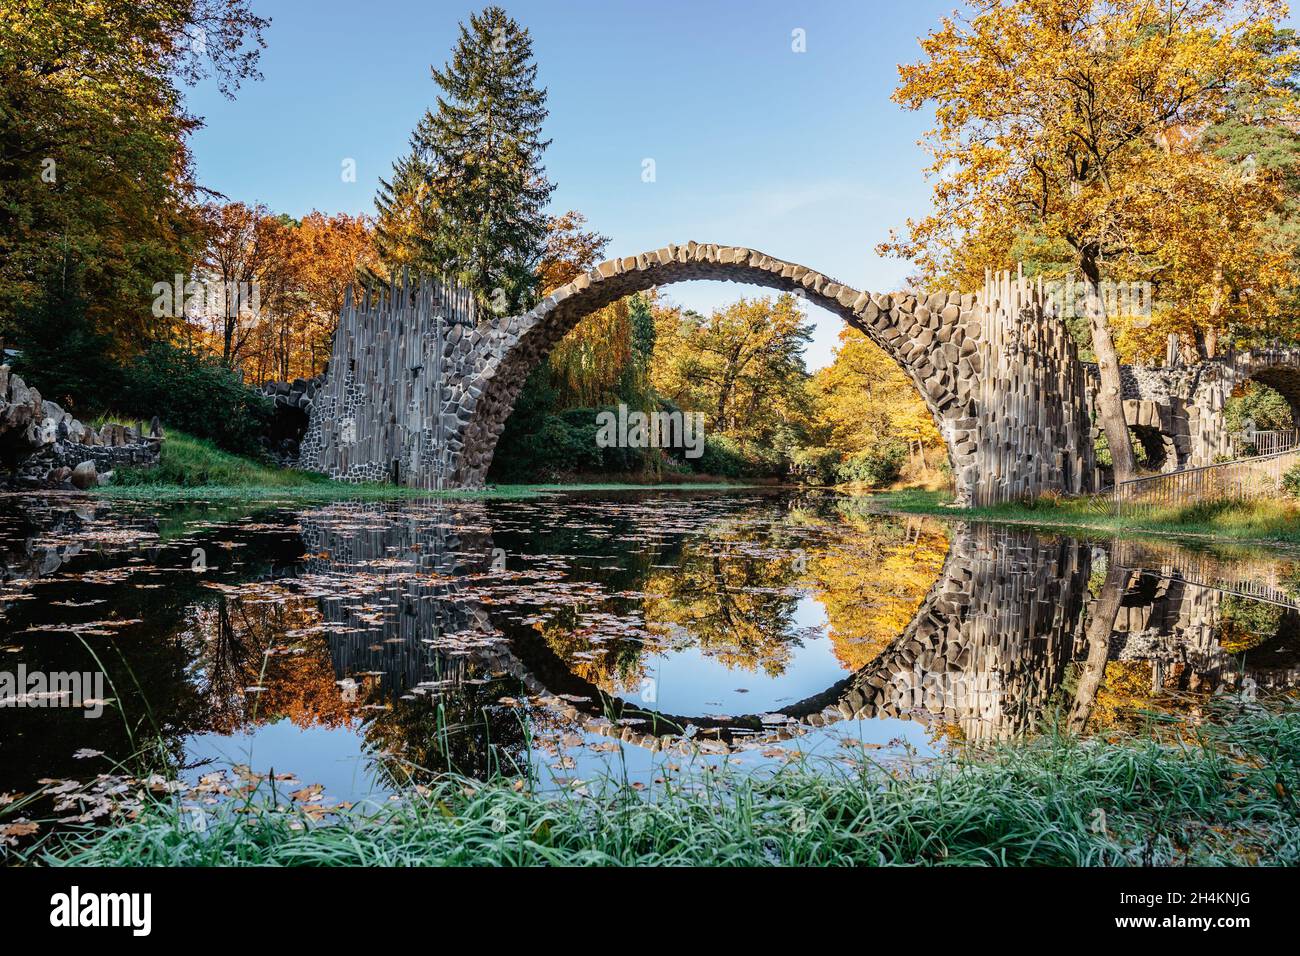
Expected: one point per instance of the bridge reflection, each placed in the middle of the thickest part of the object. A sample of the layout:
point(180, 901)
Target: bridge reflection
point(1018, 627)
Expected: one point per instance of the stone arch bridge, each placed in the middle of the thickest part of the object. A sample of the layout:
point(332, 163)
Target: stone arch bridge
point(422, 380)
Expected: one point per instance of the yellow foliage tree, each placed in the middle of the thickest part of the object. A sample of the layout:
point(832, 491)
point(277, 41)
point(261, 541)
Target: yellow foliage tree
point(1051, 117)
point(863, 398)
point(872, 582)
point(742, 367)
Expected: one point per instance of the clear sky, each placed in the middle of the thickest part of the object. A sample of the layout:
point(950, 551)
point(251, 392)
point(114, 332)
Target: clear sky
point(801, 155)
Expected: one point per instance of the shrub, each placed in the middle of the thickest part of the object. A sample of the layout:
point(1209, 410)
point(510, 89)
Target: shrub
point(1260, 404)
point(819, 465)
point(879, 466)
point(1291, 482)
point(726, 458)
point(197, 394)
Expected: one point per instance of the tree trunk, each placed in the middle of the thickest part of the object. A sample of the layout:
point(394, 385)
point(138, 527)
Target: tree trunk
point(1110, 399)
point(1100, 626)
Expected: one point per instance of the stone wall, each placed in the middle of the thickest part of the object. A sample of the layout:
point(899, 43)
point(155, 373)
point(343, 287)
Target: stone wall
point(42, 446)
point(291, 414)
point(1185, 403)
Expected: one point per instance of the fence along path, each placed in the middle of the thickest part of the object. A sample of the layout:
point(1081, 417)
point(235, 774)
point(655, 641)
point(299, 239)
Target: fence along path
point(1259, 476)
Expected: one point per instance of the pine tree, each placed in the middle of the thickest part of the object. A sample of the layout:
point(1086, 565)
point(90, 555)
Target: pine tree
point(406, 215)
point(484, 150)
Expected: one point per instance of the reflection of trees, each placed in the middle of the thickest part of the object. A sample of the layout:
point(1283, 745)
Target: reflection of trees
point(465, 731)
point(1245, 624)
point(593, 650)
point(402, 578)
point(1101, 623)
point(105, 571)
point(732, 597)
point(872, 580)
point(1159, 643)
point(268, 639)
point(733, 593)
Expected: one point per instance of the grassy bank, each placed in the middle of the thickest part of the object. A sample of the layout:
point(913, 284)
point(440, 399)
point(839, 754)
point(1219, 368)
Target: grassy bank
point(1216, 794)
point(1266, 521)
point(194, 469)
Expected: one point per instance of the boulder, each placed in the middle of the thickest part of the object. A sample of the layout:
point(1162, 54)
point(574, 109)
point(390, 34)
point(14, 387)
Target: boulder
point(85, 476)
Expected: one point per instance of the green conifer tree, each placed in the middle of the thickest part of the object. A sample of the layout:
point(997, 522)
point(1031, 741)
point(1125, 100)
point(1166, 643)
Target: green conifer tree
point(484, 149)
point(406, 215)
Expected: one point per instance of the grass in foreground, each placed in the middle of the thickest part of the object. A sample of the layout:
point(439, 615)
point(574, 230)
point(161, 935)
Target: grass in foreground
point(1269, 520)
point(192, 468)
point(1223, 798)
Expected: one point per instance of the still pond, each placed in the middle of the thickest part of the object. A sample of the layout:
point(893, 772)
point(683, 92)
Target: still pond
point(362, 646)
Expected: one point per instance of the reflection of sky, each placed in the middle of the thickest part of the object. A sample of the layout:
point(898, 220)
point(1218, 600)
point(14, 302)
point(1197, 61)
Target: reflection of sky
point(885, 738)
point(331, 756)
point(693, 683)
point(335, 757)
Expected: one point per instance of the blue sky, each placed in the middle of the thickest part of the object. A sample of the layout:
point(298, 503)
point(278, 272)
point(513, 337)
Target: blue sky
point(801, 155)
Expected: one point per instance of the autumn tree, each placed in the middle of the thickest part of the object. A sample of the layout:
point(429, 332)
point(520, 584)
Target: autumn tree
point(570, 250)
point(863, 400)
point(289, 278)
point(1221, 263)
point(95, 170)
point(333, 251)
point(238, 255)
point(743, 367)
point(1050, 117)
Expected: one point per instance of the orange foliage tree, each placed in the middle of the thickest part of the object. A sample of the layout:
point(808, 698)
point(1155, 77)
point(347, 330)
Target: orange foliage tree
point(295, 273)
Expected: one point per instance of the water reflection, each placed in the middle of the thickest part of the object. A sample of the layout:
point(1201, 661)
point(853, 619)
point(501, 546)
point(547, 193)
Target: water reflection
point(479, 635)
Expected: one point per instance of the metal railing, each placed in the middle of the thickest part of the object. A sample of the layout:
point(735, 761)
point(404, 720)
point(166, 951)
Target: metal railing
point(1255, 443)
point(1245, 478)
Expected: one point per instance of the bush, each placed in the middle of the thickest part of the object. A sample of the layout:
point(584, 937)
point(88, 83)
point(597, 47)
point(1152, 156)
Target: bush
point(1260, 404)
point(817, 465)
point(197, 394)
point(726, 458)
point(1291, 482)
point(879, 466)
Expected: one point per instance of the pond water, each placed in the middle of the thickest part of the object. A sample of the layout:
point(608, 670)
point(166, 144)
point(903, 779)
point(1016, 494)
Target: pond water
point(361, 646)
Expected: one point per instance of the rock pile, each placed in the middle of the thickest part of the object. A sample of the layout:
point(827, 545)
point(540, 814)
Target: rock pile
point(42, 446)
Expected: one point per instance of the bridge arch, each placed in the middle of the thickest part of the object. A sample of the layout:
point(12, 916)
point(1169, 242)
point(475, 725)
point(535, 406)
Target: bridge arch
point(421, 383)
point(931, 337)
